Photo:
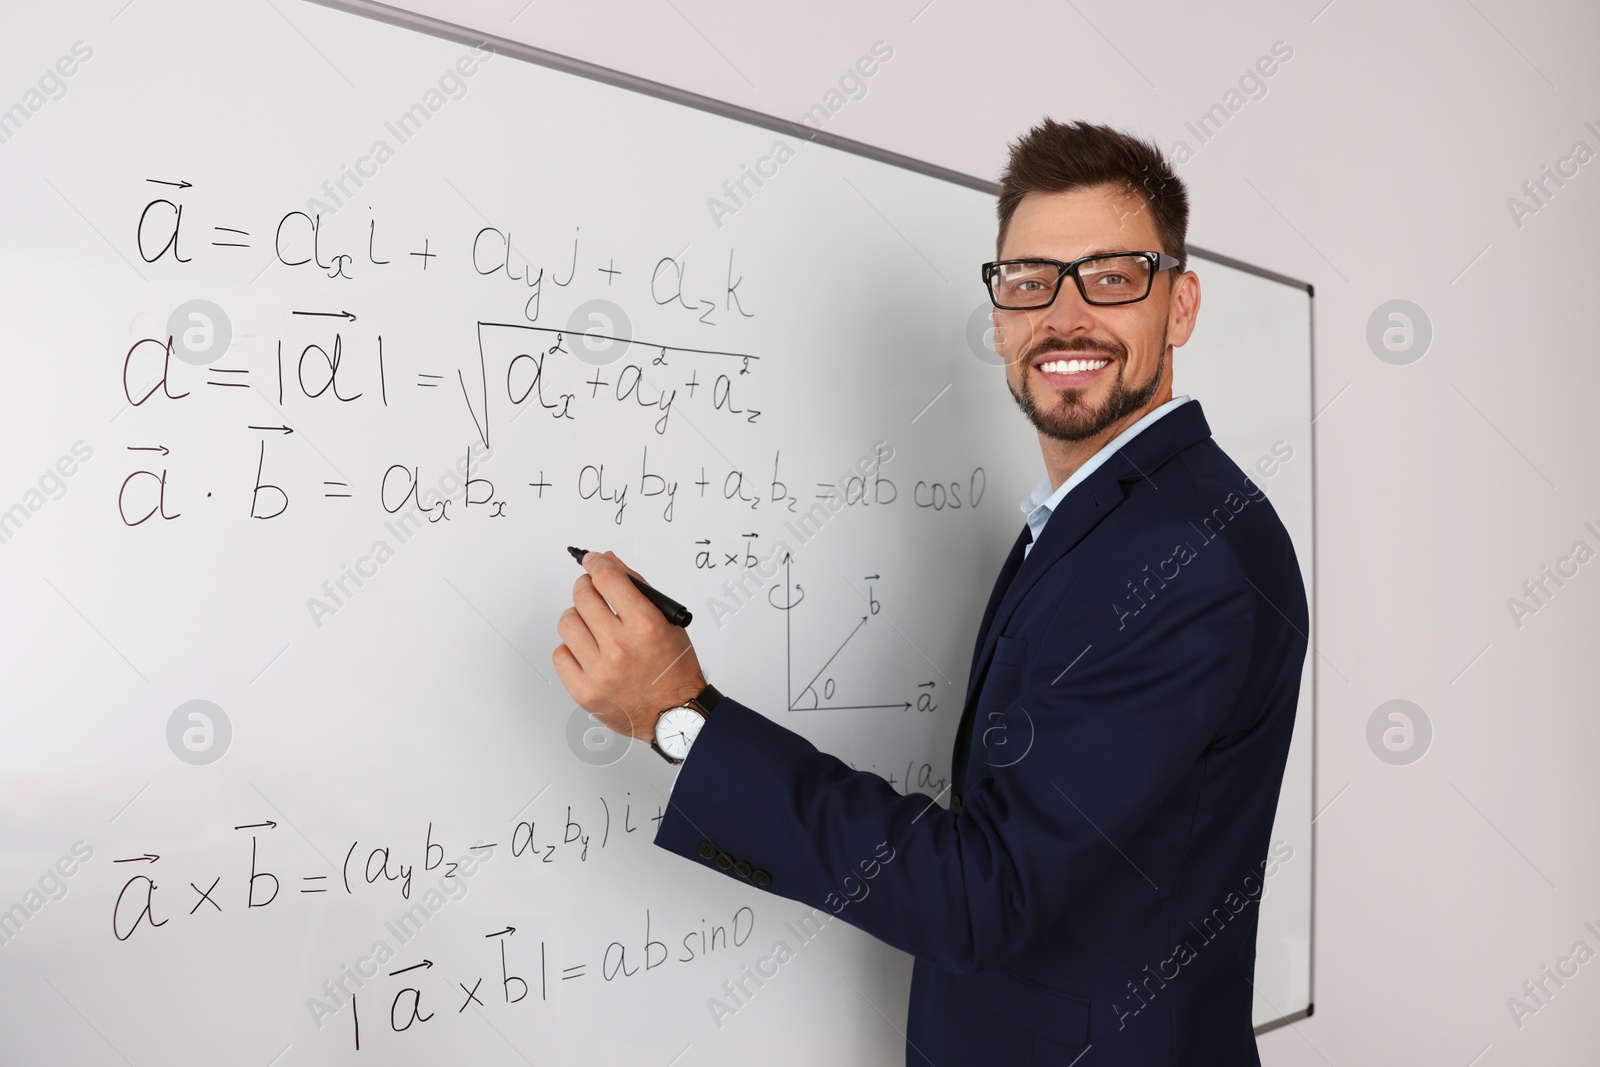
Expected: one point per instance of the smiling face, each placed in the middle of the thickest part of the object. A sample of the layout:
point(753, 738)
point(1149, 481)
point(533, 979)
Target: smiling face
point(1077, 370)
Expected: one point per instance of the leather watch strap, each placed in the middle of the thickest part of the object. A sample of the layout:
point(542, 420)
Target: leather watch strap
point(708, 698)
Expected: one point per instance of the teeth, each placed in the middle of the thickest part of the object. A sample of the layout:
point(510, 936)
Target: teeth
point(1072, 366)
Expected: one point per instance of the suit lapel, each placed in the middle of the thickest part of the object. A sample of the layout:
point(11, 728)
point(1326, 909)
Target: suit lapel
point(1080, 511)
point(1008, 573)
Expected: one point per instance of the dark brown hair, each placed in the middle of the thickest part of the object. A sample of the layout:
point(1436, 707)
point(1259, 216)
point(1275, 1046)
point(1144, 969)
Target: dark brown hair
point(1056, 156)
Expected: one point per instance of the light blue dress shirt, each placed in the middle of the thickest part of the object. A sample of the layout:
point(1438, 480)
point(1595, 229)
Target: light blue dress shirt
point(1039, 505)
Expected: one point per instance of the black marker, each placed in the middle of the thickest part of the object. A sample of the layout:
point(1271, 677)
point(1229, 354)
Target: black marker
point(676, 613)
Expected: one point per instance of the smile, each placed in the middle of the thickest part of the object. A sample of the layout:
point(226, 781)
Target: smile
point(1072, 366)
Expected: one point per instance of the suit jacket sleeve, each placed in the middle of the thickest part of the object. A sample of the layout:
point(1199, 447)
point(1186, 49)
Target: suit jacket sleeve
point(1118, 706)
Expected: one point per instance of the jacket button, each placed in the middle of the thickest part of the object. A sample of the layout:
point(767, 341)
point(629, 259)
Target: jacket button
point(742, 869)
point(760, 877)
point(724, 860)
point(707, 850)
point(955, 801)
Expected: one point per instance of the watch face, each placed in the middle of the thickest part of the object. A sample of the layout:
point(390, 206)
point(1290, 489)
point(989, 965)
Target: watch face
point(676, 730)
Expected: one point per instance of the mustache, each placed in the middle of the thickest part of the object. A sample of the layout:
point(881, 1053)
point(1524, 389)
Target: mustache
point(1110, 349)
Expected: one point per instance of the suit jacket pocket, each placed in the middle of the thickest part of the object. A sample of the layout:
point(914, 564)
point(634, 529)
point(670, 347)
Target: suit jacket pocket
point(1055, 1020)
point(1003, 680)
point(1010, 651)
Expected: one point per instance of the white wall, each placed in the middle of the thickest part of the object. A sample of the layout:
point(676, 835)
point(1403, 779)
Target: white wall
point(1377, 166)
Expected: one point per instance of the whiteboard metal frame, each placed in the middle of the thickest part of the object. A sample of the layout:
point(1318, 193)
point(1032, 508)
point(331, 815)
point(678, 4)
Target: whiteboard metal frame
point(528, 53)
point(505, 46)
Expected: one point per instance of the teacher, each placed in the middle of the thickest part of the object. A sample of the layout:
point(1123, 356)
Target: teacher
point(1090, 894)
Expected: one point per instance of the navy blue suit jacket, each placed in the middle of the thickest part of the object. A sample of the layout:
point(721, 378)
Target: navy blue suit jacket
point(1093, 883)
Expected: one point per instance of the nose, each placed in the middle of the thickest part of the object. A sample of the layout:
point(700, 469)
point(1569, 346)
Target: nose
point(1067, 315)
point(1069, 311)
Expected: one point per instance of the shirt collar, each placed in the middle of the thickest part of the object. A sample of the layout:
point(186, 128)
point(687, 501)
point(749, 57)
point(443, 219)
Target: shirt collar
point(1039, 505)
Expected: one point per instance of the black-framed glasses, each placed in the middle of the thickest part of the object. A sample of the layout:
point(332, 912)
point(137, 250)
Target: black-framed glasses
point(1106, 279)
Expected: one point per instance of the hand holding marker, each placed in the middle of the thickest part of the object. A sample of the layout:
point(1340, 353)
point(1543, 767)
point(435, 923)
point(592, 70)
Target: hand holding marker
point(676, 613)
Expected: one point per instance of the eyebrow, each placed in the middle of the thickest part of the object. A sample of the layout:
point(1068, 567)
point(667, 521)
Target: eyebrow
point(1102, 251)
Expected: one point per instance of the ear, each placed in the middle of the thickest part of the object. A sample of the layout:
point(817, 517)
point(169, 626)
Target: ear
point(1183, 309)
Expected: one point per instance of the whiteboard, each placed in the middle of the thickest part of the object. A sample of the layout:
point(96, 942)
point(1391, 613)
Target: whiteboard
point(286, 767)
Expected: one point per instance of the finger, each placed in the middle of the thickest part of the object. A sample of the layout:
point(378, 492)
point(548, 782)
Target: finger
point(627, 568)
point(610, 577)
point(580, 640)
point(570, 671)
point(608, 554)
point(596, 614)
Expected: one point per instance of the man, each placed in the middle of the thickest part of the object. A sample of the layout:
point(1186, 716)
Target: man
point(1089, 895)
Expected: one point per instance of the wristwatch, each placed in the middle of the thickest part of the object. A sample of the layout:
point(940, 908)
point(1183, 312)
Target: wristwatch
point(676, 728)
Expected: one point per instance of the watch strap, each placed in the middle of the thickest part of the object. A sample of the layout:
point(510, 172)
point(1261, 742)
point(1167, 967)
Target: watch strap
point(708, 698)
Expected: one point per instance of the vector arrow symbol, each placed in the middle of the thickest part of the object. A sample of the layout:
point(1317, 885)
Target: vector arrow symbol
point(414, 966)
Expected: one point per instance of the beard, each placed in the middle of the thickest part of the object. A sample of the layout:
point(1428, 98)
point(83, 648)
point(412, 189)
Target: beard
point(1072, 419)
